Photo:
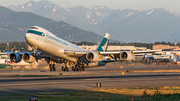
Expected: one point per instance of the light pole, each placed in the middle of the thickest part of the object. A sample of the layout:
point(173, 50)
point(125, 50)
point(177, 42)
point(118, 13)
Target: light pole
point(8, 46)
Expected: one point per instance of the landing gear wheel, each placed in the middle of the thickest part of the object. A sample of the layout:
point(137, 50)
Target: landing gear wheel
point(67, 69)
point(83, 69)
point(50, 66)
point(80, 67)
point(77, 69)
point(53, 67)
point(64, 69)
point(73, 68)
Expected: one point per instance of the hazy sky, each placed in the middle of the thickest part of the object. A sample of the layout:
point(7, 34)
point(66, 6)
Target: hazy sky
point(173, 5)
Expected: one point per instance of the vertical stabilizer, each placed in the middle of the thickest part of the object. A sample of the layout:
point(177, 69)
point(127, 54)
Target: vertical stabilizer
point(104, 43)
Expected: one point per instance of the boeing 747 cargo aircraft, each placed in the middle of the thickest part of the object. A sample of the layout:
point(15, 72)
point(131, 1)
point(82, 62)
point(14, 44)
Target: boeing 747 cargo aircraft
point(57, 50)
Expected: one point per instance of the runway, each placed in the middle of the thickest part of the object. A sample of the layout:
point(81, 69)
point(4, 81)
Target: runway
point(115, 68)
point(107, 76)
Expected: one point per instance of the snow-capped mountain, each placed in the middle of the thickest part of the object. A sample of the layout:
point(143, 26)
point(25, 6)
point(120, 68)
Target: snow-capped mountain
point(93, 15)
point(146, 26)
point(44, 8)
point(127, 25)
point(81, 17)
point(13, 26)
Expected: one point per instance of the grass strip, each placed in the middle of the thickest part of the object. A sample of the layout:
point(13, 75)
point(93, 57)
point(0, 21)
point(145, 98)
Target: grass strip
point(165, 93)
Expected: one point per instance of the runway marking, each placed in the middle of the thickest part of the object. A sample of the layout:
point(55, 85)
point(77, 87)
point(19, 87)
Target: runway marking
point(110, 80)
point(96, 79)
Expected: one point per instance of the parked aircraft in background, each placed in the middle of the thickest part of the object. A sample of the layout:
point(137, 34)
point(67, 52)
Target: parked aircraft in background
point(156, 58)
point(56, 50)
point(171, 56)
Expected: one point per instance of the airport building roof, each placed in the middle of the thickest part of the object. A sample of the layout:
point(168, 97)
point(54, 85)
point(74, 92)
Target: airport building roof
point(165, 47)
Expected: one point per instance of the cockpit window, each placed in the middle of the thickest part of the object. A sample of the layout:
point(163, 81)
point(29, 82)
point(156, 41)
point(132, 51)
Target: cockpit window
point(34, 28)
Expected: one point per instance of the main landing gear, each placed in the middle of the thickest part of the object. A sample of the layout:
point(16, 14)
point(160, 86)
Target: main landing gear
point(52, 65)
point(78, 68)
point(73, 67)
point(65, 68)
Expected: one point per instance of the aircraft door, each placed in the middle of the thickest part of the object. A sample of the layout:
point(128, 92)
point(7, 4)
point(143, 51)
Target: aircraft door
point(46, 35)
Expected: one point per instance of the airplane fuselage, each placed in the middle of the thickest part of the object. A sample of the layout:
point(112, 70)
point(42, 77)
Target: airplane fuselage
point(47, 42)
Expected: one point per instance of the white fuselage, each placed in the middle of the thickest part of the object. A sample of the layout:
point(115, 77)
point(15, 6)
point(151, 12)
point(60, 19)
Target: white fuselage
point(47, 42)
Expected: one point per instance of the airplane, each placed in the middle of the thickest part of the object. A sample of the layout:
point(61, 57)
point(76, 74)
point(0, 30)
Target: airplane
point(60, 51)
point(56, 50)
point(157, 58)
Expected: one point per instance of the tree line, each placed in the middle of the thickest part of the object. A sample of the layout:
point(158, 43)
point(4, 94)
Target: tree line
point(23, 45)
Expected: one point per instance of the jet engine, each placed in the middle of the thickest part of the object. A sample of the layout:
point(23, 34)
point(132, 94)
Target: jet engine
point(91, 56)
point(126, 56)
point(15, 57)
point(28, 58)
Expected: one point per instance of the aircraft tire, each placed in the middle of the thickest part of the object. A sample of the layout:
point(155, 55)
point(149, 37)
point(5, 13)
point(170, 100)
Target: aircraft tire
point(66, 69)
point(50, 66)
point(74, 68)
point(83, 69)
point(53, 67)
point(62, 68)
point(80, 67)
point(77, 69)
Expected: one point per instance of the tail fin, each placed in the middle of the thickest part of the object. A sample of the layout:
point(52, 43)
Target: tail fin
point(104, 43)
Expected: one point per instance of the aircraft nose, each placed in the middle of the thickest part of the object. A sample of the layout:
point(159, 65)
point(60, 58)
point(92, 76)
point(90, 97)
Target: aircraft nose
point(27, 36)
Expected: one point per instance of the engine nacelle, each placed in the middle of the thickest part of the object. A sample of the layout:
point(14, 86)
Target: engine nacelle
point(15, 57)
point(28, 58)
point(91, 56)
point(126, 56)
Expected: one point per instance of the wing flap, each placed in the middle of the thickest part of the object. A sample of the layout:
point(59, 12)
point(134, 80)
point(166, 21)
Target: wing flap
point(109, 52)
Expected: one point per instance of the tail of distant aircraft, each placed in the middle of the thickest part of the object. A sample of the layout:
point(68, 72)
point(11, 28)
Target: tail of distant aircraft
point(104, 43)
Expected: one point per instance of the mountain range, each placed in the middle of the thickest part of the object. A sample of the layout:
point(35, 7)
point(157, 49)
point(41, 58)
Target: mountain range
point(13, 26)
point(127, 25)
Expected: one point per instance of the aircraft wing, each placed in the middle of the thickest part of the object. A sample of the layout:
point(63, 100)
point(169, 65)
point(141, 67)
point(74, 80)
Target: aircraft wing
point(147, 51)
point(85, 52)
point(21, 53)
point(135, 52)
point(108, 52)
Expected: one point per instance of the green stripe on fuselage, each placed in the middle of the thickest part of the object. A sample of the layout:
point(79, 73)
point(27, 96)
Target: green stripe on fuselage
point(36, 32)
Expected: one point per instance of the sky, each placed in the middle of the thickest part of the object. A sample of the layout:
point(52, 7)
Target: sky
point(112, 4)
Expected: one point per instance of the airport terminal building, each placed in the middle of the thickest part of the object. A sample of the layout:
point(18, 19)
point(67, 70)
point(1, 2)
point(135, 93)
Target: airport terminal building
point(174, 49)
point(115, 48)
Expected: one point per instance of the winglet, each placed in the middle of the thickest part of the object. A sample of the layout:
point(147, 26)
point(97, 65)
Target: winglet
point(104, 43)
